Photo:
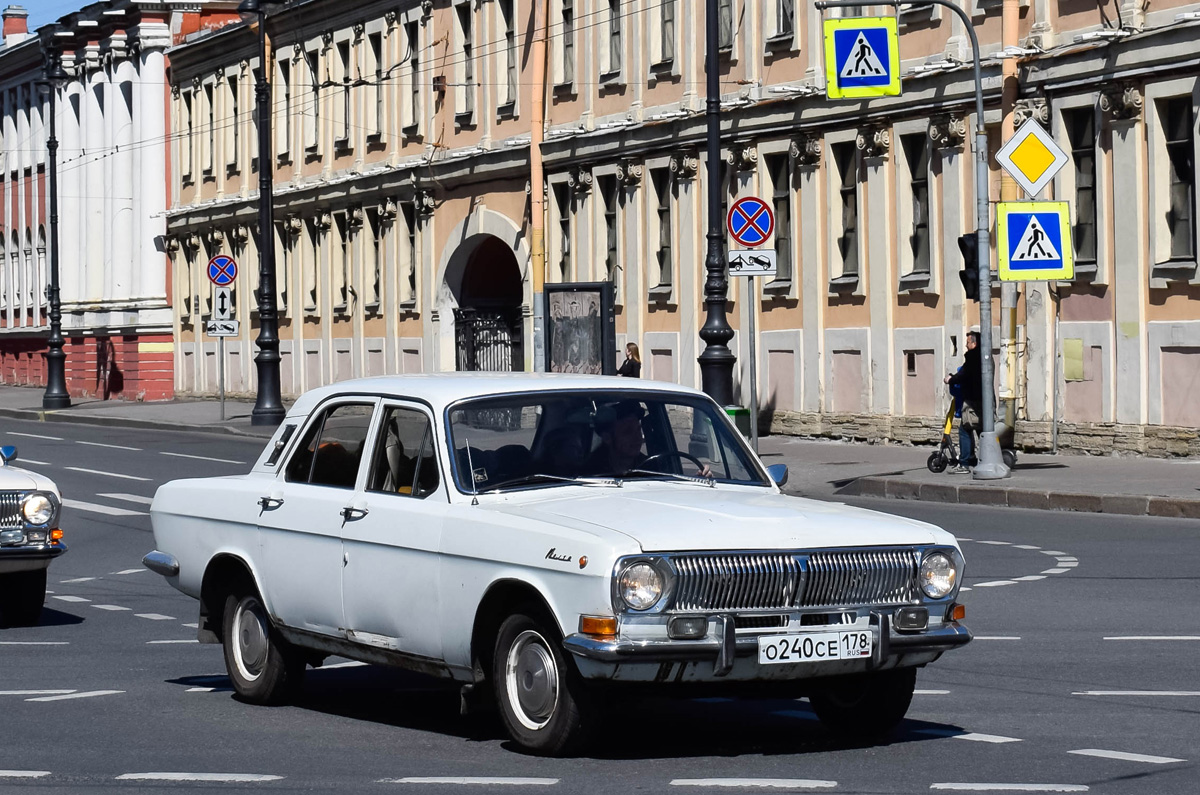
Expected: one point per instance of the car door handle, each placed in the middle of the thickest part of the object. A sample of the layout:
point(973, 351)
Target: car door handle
point(270, 503)
point(350, 513)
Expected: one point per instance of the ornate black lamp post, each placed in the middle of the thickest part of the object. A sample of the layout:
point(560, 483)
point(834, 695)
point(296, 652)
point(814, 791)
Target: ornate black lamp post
point(716, 362)
point(56, 396)
point(268, 405)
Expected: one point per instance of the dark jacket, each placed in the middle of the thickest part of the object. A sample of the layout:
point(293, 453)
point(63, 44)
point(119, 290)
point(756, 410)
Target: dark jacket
point(630, 369)
point(970, 377)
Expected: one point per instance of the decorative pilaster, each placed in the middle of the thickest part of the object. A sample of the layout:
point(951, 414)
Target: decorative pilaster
point(948, 131)
point(806, 150)
point(579, 180)
point(743, 157)
point(685, 165)
point(1032, 108)
point(629, 173)
point(875, 141)
point(1122, 101)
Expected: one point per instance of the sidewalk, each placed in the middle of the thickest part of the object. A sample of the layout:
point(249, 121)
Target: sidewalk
point(817, 468)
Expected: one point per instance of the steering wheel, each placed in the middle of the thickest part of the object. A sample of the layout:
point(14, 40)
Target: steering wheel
point(673, 454)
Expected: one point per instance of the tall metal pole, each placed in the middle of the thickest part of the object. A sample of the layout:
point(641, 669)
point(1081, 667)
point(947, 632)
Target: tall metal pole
point(56, 396)
point(716, 362)
point(268, 404)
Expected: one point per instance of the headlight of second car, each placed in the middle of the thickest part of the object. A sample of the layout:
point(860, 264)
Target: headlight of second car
point(38, 508)
point(640, 586)
point(938, 575)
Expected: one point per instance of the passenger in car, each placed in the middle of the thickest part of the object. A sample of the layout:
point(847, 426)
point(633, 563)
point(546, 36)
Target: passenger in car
point(621, 439)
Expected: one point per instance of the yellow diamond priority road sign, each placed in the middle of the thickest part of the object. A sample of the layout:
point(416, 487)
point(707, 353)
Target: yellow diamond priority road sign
point(1032, 158)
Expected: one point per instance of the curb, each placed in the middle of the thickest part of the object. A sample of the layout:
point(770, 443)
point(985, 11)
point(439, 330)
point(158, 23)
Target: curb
point(1123, 504)
point(39, 415)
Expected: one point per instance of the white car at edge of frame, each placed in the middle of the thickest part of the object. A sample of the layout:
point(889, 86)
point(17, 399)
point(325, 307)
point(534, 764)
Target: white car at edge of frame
point(30, 538)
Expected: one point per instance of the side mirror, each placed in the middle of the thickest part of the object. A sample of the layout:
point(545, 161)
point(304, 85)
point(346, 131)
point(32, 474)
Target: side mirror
point(8, 453)
point(778, 473)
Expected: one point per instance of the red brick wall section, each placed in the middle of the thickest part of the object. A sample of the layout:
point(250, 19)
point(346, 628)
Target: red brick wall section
point(106, 367)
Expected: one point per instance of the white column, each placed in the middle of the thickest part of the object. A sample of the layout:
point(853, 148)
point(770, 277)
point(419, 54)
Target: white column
point(1129, 279)
point(24, 159)
point(880, 290)
point(93, 215)
point(810, 228)
point(150, 111)
point(125, 240)
point(71, 186)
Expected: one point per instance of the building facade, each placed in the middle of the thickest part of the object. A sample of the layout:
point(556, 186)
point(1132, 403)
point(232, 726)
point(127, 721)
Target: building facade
point(401, 135)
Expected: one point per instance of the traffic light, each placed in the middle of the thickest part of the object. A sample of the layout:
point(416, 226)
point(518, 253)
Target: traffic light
point(969, 245)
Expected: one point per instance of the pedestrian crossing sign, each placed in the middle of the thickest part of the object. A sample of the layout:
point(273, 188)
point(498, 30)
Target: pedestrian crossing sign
point(1033, 241)
point(862, 57)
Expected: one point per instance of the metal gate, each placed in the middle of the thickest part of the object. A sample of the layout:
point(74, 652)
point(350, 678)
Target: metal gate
point(489, 340)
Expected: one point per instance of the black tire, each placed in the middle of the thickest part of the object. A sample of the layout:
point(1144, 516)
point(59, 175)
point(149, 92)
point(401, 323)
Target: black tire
point(936, 462)
point(22, 595)
point(263, 667)
point(865, 706)
point(543, 702)
point(1010, 458)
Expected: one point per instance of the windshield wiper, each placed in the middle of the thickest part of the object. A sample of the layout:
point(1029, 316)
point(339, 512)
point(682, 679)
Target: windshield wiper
point(710, 482)
point(538, 477)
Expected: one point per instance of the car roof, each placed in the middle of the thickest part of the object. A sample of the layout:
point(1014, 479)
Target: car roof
point(442, 389)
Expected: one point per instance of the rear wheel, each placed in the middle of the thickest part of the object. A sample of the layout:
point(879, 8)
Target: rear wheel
point(263, 667)
point(22, 594)
point(542, 700)
point(865, 706)
point(1010, 458)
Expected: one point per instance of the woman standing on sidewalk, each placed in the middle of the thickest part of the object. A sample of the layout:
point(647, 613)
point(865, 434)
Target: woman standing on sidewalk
point(632, 367)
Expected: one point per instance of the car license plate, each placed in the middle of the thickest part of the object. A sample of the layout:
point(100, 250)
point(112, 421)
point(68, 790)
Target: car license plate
point(813, 647)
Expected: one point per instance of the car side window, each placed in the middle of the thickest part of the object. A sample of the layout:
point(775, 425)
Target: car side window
point(404, 460)
point(332, 447)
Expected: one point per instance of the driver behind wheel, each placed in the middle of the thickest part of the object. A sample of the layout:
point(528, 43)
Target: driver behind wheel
point(622, 443)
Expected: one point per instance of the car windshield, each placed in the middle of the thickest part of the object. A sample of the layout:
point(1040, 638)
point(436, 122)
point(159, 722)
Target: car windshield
point(547, 439)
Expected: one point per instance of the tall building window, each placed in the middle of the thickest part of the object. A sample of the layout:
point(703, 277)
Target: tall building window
point(508, 17)
point(610, 196)
point(374, 90)
point(562, 206)
point(312, 108)
point(377, 230)
point(211, 105)
point(283, 265)
point(725, 24)
point(466, 95)
point(613, 63)
point(1081, 132)
point(916, 157)
point(413, 108)
point(668, 30)
point(568, 41)
point(189, 124)
point(283, 127)
point(661, 179)
point(232, 139)
point(785, 17)
point(1181, 218)
point(341, 118)
point(408, 279)
point(779, 169)
point(341, 269)
point(847, 171)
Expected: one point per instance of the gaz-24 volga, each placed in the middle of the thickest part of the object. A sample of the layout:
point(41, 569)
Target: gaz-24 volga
point(548, 541)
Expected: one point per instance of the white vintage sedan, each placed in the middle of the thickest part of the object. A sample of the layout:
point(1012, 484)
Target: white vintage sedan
point(549, 540)
point(29, 539)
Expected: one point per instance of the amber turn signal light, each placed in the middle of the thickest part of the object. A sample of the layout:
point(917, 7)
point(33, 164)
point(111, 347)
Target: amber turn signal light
point(597, 625)
point(957, 612)
point(56, 535)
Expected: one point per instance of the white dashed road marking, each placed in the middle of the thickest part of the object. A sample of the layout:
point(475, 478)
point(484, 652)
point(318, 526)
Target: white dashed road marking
point(86, 694)
point(131, 571)
point(78, 579)
point(1010, 787)
point(112, 608)
point(1054, 552)
point(1153, 637)
point(128, 498)
point(486, 780)
point(94, 507)
point(204, 458)
point(1173, 693)
point(1025, 546)
point(995, 583)
point(155, 642)
point(1030, 578)
point(973, 736)
point(35, 643)
point(72, 599)
point(1055, 571)
point(1125, 757)
point(35, 692)
point(351, 664)
point(23, 773)
point(36, 436)
point(35, 463)
point(110, 446)
point(745, 783)
point(995, 543)
point(224, 778)
point(931, 692)
point(155, 616)
point(997, 637)
point(106, 474)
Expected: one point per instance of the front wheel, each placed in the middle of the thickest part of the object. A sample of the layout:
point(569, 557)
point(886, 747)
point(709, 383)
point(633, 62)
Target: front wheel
point(263, 667)
point(22, 594)
point(936, 461)
point(865, 706)
point(543, 702)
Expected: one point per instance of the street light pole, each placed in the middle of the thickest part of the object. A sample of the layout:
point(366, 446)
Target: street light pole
point(56, 396)
point(716, 362)
point(268, 403)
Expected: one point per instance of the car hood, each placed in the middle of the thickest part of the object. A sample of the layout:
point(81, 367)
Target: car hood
point(675, 516)
point(13, 478)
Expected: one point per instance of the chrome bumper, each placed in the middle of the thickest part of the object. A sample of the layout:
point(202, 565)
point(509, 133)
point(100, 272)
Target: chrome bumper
point(161, 563)
point(723, 649)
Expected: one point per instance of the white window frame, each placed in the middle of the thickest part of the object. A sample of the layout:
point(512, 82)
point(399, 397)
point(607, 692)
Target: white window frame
point(506, 104)
point(1159, 170)
point(557, 183)
point(412, 86)
point(778, 40)
point(342, 98)
point(466, 70)
point(910, 278)
point(559, 53)
point(662, 58)
point(1064, 182)
point(282, 98)
point(312, 58)
point(657, 289)
point(611, 72)
point(602, 174)
point(785, 287)
point(374, 64)
point(835, 230)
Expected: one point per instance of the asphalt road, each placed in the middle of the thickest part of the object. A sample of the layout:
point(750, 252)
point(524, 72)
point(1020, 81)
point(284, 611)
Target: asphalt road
point(1084, 675)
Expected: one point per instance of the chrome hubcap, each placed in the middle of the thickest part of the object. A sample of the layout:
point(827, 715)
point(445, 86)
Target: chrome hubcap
point(532, 680)
point(250, 639)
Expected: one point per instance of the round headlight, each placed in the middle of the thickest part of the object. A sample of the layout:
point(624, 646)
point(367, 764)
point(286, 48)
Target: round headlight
point(641, 586)
point(938, 575)
point(38, 508)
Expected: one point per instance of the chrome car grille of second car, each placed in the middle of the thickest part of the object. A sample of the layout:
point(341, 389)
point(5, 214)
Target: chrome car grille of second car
point(10, 509)
point(773, 581)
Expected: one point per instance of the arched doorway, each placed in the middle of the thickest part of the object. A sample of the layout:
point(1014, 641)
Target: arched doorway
point(487, 320)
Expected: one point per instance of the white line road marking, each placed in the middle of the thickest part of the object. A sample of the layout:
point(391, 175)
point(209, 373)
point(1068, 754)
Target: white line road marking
point(1054, 552)
point(1067, 557)
point(745, 783)
point(86, 694)
point(112, 446)
point(155, 616)
point(1124, 757)
point(113, 608)
point(964, 588)
point(351, 664)
point(996, 543)
point(931, 692)
point(494, 780)
point(23, 773)
point(93, 507)
point(225, 778)
point(107, 474)
point(204, 458)
point(1031, 578)
point(995, 583)
point(36, 436)
point(1010, 787)
point(1068, 564)
point(131, 571)
point(35, 643)
point(77, 579)
point(1171, 693)
point(34, 462)
point(35, 692)
point(128, 498)
point(1153, 637)
point(72, 599)
point(193, 626)
point(154, 642)
point(1025, 546)
point(209, 690)
point(1055, 571)
point(997, 637)
point(973, 736)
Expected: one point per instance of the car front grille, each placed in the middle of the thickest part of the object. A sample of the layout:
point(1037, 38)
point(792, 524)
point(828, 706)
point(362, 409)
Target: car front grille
point(773, 581)
point(10, 510)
